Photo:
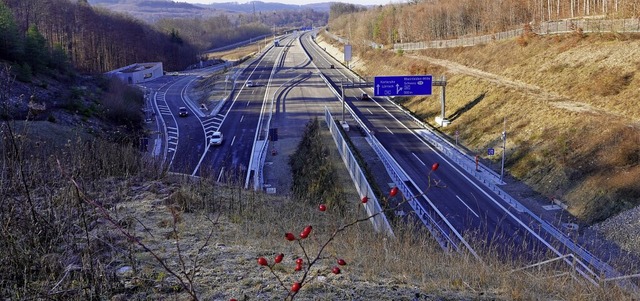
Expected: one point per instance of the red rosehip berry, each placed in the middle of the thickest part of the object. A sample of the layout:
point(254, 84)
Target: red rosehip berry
point(365, 199)
point(335, 270)
point(299, 261)
point(435, 166)
point(289, 236)
point(393, 191)
point(342, 262)
point(322, 207)
point(295, 287)
point(279, 258)
point(262, 261)
point(233, 300)
point(306, 231)
point(298, 267)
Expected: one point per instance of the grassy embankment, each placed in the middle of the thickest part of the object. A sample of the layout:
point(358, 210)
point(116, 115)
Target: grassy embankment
point(569, 103)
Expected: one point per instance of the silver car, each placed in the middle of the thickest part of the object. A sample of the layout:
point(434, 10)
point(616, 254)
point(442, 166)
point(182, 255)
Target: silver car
point(216, 139)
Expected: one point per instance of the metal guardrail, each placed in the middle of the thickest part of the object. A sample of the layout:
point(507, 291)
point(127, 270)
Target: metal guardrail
point(263, 134)
point(454, 153)
point(379, 221)
point(399, 177)
point(237, 44)
point(262, 131)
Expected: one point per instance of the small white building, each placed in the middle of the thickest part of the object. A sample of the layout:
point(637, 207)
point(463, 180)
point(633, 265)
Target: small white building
point(138, 73)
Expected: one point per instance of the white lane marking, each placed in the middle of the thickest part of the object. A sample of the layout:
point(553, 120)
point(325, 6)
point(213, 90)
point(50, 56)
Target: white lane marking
point(220, 175)
point(241, 118)
point(418, 159)
point(370, 112)
point(233, 140)
point(453, 166)
point(248, 103)
point(465, 204)
point(389, 130)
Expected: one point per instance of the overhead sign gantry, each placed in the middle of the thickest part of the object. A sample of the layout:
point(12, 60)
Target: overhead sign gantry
point(404, 85)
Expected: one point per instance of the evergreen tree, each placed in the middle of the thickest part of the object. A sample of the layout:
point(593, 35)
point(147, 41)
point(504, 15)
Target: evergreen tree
point(10, 43)
point(59, 59)
point(315, 179)
point(36, 53)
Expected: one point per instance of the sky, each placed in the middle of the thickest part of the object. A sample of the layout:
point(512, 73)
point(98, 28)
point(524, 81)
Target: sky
point(298, 2)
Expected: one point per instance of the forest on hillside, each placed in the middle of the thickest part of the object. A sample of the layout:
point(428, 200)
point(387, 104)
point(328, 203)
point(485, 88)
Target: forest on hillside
point(425, 20)
point(93, 40)
point(96, 40)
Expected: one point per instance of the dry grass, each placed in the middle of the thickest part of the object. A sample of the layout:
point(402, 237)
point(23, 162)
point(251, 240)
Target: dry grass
point(378, 267)
point(212, 234)
point(241, 52)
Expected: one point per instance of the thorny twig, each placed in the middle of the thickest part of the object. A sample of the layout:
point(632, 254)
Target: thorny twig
point(187, 285)
point(291, 294)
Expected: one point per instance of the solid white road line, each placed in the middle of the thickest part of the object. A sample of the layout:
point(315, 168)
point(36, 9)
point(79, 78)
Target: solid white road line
point(220, 175)
point(465, 204)
point(418, 159)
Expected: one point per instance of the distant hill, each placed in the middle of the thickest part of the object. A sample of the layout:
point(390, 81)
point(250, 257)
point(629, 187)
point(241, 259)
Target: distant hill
point(259, 6)
point(153, 10)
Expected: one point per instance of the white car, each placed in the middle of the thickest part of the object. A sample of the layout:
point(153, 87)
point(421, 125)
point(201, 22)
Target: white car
point(249, 84)
point(216, 139)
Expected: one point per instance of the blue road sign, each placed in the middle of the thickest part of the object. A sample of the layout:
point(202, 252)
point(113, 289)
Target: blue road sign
point(491, 152)
point(404, 85)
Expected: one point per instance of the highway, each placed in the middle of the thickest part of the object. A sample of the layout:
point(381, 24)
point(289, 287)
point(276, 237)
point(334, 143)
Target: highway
point(185, 147)
point(289, 89)
point(470, 214)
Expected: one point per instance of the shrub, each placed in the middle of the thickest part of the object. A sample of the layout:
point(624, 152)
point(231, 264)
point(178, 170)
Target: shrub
point(123, 104)
point(314, 177)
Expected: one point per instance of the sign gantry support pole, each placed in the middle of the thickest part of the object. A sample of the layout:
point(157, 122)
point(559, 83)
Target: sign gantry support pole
point(342, 92)
point(442, 97)
point(504, 147)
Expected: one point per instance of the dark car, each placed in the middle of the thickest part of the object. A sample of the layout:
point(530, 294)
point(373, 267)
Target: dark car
point(182, 112)
point(365, 96)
